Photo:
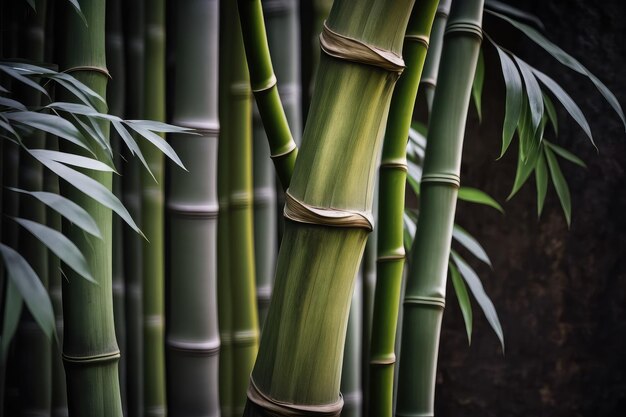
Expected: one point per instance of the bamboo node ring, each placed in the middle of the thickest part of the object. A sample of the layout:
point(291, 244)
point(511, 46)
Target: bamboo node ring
point(291, 145)
point(89, 359)
point(424, 300)
point(275, 408)
point(101, 70)
point(264, 85)
point(355, 50)
point(443, 177)
point(298, 211)
point(418, 38)
point(465, 27)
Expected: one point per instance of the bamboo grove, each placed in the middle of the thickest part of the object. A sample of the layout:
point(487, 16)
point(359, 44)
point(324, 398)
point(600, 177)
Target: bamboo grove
point(189, 190)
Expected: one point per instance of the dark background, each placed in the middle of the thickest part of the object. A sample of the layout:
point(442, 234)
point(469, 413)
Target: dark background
point(560, 294)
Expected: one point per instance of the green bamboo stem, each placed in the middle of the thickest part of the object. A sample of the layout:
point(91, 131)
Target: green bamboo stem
point(263, 82)
point(431, 66)
point(426, 282)
point(152, 214)
point(90, 351)
point(134, 27)
point(351, 369)
point(390, 247)
point(192, 340)
point(301, 351)
point(368, 266)
point(115, 99)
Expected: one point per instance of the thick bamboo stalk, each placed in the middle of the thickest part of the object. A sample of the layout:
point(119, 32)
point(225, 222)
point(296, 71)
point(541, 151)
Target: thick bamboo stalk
point(328, 207)
point(90, 351)
point(426, 282)
point(390, 245)
point(351, 371)
point(115, 99)
point(192, 340)
point(134, 26)
point(431, 66)
point(152, 214)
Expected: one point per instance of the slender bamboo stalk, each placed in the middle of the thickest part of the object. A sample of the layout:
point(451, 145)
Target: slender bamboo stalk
point(115, 100)
point(351, 371)
point(152, 214)
point(192, 340)
point(90, 351)
point(390, 247)
point(329, 205)
point(368, 266)
point(134, 27)
point(425, 292)
point(431, 66)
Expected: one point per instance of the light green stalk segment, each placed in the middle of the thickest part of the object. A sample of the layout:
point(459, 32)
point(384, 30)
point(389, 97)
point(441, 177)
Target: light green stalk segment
point(390, 247)
point(90, 350)
point(152, 214)
point(425, 291)
point(263, 81)
point(431, 66)
point(131, 189)
point(301, 351)
point(192, 339)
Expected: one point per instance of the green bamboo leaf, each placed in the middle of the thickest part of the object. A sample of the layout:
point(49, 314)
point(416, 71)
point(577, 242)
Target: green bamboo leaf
point(474, 195)
point(80, 90)
point(13, 104)
point(21, 78)
point(82, 109)
point(567, 102)
point(524, 169)
point(464, 301)
point(567, 60)
point(541, 178)
point(93, 189)
point(76, 7)
point(156, 126)
point(477, 85)
point(157, 141)
point(551, 111)
point(132, 145)
point(499, 6)
point(66, 208)
point(471, 244)
point(98, 137)
point(533, 92)
point(32, 291)
point(564, 153)
point(4, 123)
point(61, 246)
point(29, 68)
point(12, 311)
point(71, 159)
point(476, 287)
point(514, 99)
point(562, 190)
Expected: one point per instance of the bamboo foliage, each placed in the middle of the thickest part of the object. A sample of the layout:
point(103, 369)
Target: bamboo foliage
point(192, 334)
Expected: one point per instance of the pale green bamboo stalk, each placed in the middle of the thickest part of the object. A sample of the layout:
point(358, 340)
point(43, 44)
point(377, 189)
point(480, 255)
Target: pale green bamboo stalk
point(390, 245)
point(301, 351)
point(351, 368)
point(431, 66)
point(90, 350)
point(192, 340)
point(152, 215)
point(134, 27)
point(426, 282)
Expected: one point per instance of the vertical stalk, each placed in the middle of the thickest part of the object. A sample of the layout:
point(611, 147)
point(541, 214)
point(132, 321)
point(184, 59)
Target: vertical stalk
point(90, 351)
point(192, 340)
point(131, 188)
point(153, 216)
point(426, 282)
point(368, 268)
point(328, 212)
point(351, 371)
point(390, 245)
point(431, 66)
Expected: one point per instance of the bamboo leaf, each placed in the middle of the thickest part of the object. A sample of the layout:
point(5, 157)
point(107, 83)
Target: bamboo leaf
point(71, 159)
point(99, 138)
point(524, 169)
point(471, 244)
point(32, 291)
point(80, 90)
point(61, 246)
point(564, 153)
point(514, 99)
point(132, 145)
point(541, 178)
point(66, 208)
point(409, 230)
point(13, 104)
point(567, 60)
point(21, 78)
point(551, 111)
point(477, 289)
point(31, 3)
point(567, 102)
point(533, 92)
point(474, 195)
point(464, 301)
point(76, 7)
point(157, 141)
point(562, 190)
point(156, 126)
point(477, 85)
point(499, 6)
point(12, 311)
point(82, 109)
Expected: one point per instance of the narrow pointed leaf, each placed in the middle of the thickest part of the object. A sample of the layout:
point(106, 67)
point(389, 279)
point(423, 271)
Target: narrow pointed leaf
point(31, 83)
point(514, 101)
point(524, 169)
point(156, 126)
point(80, 90)
point(470, 243)
point(76, 7)
point(564, 153)
point(562, 190)
point(499, 6)
point(71, 159)
point(551, 111)
point(13, 104)
point(541, 179)
point(533, 91)
point(132, 145)
point(464, 301)
point(49, 123)
point(477, 85)
point(474, 195)
point(159, 142)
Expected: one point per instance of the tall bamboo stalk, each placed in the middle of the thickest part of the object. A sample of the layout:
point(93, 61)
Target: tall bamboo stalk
point(351, 371)
point(134, 27)
point(152, 215)
point(192, 340)
point(426, 282)
point(390, 247)
point(90, 351)
point(431, 66)
point(328, 211)
point(368, 268)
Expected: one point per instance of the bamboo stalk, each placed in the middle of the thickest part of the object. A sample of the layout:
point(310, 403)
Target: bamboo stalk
point(368, 266)
point(426, 282)
point(192, 340)
point(152, 213)
point(299, 361)
point(90, 351)
point(134, 27)
point(351, 370)
point(390, 245)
